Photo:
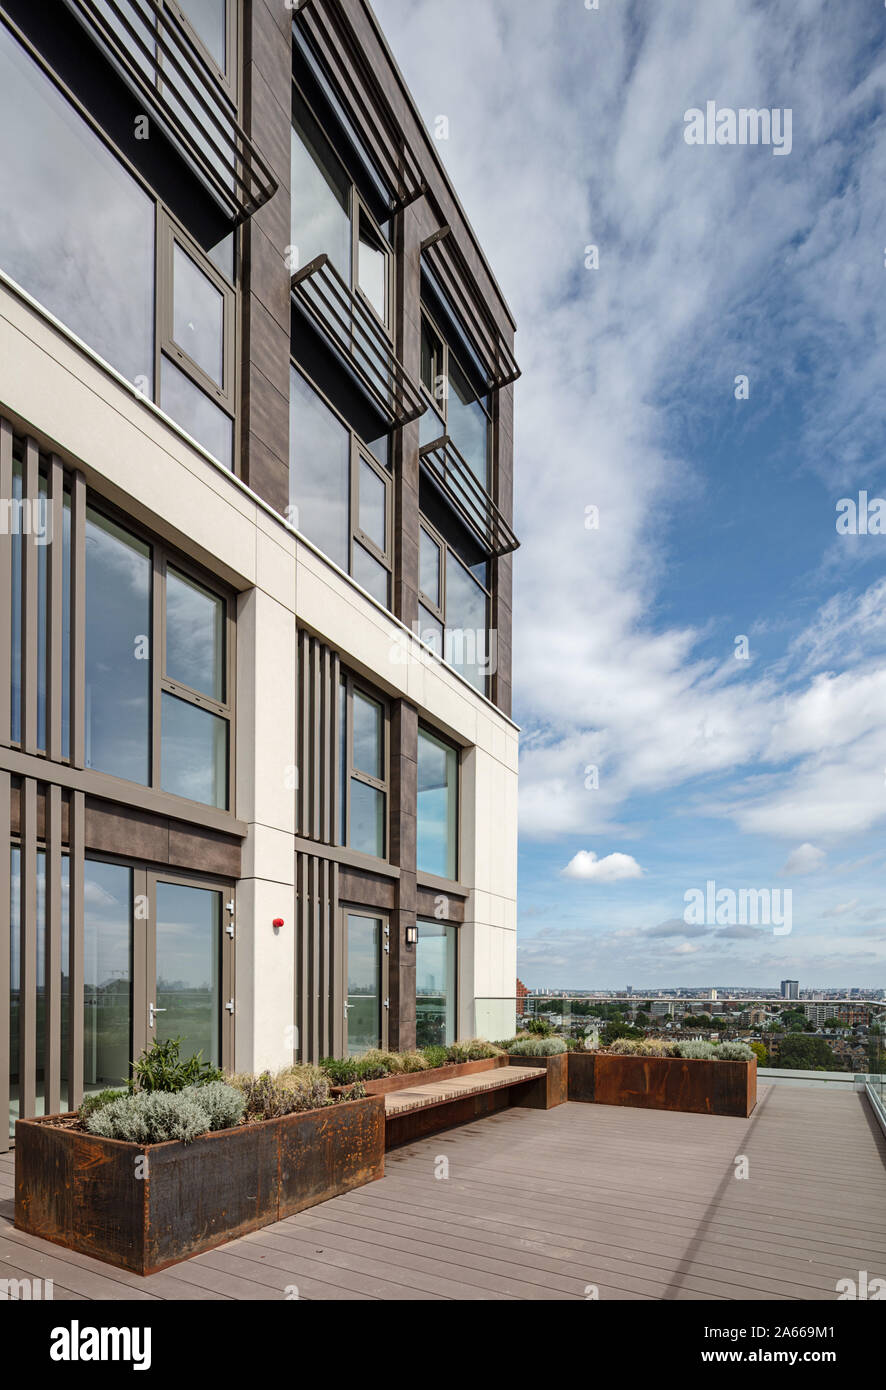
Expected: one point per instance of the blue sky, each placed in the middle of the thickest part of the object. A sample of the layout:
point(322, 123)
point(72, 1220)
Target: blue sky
point(717, 515)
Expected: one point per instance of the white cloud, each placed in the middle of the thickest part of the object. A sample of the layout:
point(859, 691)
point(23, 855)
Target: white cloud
point(612, 869)
point(805, 859)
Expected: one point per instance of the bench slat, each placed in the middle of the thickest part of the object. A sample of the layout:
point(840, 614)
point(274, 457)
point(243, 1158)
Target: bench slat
point(439, 1092)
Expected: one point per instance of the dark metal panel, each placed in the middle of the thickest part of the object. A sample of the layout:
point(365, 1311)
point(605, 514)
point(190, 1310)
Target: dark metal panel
point(76, 942)
point(5, 588)
point(5, 889)
point(53, 952)
point(315, 740)
point(78, 618)
point(30, 585)
point(28, 951)
point(54, 604)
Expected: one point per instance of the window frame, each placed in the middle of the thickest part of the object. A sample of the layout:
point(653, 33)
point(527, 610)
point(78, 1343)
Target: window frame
point(425, 876)
point(372, 914)
point(442, 406)
point(229, 76)
point(439, 611)
point(348, 772)
point(170, 234)
point(358, 451)
point(162, 555)
point(162, 279)
point(454, 927)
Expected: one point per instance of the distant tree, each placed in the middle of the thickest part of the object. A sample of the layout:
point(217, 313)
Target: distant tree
point(809, 1026)
point(618, 1030)
point(759, 1051)
point(800, 1052)
point(832, 1023)
point(642, 1020)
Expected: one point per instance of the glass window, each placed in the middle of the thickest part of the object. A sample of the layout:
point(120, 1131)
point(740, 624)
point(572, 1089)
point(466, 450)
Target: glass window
point(467, 637)
point(93, 267)
point(437, 807)
point(367, 819)
point(432, 362)
point(319, 476)
point(15, 986)
point(371, 575)
point(430, 630)
point(363, 1009)
point(15, 542)
point(372, 269)
point(194, 752)
point(195, 636)
point(118, 650)
point(199, 416)
point(435, 984)
point(368, 736)
point(208, 18)
point(188, 996)
point(107, 975)
point(321, 197)
point(467, 423)
point(429, 567)
point(198, 316)
point(373, 506)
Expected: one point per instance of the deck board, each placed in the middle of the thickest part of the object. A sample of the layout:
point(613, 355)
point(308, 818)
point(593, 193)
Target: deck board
point(540, 1205)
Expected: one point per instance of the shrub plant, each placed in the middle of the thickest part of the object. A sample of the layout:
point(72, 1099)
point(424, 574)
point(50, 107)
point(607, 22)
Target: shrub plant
point(268, 1095)
point(734, 1052)
point(152, 1117)
point(160, 1068)
point(538, 1047)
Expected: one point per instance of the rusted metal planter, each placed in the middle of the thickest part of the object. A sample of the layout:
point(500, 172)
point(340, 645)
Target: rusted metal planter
point(144, 1207)
point(552, 1086)
point(697, 1087)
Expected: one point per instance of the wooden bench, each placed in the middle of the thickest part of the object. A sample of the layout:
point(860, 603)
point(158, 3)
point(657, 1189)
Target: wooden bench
point(422, 1108)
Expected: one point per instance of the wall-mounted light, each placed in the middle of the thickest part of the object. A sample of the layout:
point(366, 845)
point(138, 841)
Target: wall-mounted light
point(278, 923)
point(411, 935)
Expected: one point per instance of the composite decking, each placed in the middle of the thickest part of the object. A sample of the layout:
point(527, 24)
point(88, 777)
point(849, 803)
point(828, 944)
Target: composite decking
point(570, 1203)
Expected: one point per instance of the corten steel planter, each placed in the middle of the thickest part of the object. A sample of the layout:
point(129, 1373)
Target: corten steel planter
point(146, 1206)
point(698, 1087)
point(551, 1088)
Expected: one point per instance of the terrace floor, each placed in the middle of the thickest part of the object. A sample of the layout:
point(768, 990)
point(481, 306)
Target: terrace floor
point(539, 1204)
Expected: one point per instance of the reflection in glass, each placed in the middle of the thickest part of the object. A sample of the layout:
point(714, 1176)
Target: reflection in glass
point(371, 575)
point(93, 267)
point(319, 472)
point(15, 986)
point(373, 495)
point(199, 416)
point(429, 567)
point(189, 969)
point(372, 271)
point(467, 638)
point(118, 650)
point(435, 984)
point(195, 636)
point(15, 545)
point(198, 315)
point(107, 965)
point(430, 630)
point(194, 752)
point(467, 423)
point(367, 819)
point(321, 196)
point(15, 926)
point(66, 625)
point(368, 736)
point(363, 1009)
point(208, 19)
point(437, 807)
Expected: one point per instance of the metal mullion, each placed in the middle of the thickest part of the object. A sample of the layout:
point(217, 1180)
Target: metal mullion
point(228, 979)
point(54, 605)
point(30, 599)
point(5, 929)
point(53, 953)
point(5, 588)
point(315, 679)
point(143, 944)
point(27, 1077)
point(158, 658)
point(76, 939)
point(325, 724)
point(194, 697)
point(335, 771)
point(78, 621)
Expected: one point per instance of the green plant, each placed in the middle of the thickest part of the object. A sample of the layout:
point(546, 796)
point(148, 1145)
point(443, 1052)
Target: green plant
point(413, 1061)
point(161, 1069)
point(223, 1103)
point(759, 1051)
point(538, 1047)
point(539, 1027)
point(95, 1101)
point(624, 1047)
point(472, 1050)
point(267, 1095)
point(435, 1055)
point(697, 1051)
point(734, 1052)
point(341, 1071)
point(150, 1117)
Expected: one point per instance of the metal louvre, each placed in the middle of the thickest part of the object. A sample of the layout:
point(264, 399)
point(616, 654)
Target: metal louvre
point(318, 989)
point(361, 96)
point(466, 494)
point(357, 335)
point(160, 62)
point(448, 266)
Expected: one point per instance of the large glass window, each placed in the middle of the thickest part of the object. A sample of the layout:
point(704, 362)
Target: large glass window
point(460, 408)
point(454, 608)
point(188, 996)
point(95, 268)
point(340, 494)
point(107, 975)
point(364, 1011)
point(209, 20)
point(363, 758)
point(321, 196)
point(437, 807)
point(435, 984)
point(118, 650)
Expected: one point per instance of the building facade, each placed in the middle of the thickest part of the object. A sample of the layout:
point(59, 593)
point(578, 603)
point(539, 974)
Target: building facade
point(257, 765)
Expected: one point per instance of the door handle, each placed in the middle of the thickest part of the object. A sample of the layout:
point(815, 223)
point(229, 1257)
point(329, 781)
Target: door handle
point(152, 1009)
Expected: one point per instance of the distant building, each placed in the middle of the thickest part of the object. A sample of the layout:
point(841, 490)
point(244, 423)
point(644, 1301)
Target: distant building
point(790, 989)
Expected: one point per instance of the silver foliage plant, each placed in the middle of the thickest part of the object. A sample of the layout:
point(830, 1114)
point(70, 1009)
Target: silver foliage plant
point(152, 1117)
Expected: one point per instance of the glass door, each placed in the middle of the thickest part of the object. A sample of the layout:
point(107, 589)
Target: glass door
point(435, 984)
point(365, 1007)
point(188, 975)
point(107, 975)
